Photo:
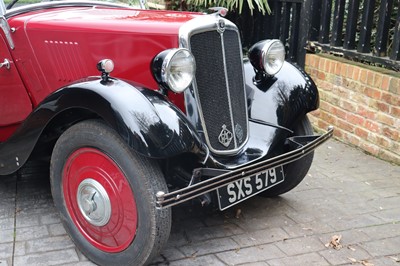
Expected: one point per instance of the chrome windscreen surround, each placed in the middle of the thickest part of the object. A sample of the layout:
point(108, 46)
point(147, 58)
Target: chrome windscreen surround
point(216, 101)
point(2, 8)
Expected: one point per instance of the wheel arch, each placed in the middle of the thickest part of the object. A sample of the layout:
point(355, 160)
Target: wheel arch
point(144, 119)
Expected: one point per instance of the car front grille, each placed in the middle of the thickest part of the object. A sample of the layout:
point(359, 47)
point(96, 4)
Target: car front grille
point(219, 87)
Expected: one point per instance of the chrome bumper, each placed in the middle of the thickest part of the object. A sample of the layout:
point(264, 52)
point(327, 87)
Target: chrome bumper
point(302, 146)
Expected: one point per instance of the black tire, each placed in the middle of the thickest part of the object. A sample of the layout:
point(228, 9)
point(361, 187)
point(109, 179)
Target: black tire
point(95, 176)
point(296, 171)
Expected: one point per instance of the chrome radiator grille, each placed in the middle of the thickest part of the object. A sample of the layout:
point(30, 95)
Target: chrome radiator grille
point(219, 87)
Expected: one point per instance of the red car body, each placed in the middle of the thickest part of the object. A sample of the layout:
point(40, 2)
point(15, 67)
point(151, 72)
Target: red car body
point(54, 50)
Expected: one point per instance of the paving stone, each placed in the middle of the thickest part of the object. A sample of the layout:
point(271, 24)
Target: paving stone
point(310, 259)
point(382, 231)
point(389, 216)
point(354, 222)
point(251, 254)
point(346, 254)
point(56, 229)
point(47, 258)
point(44, 208)
point(205, 233)
point(307, 229)
point(260, 237)
point(80, 263)
point(6, 223)
point(255, 224)
point(210, 260)
point(301, 217)
point(34, 232)
point(6, 236)
point(392, 191)
point(3, 262)
point(386, 261)
point(261, 207)
point(348, 237)
point(6, 250)
point(167, 255)
point(254, 264)
point(384, 247)
point(49, 244)
point(33, 199)
point(300, 245)
point(20, 248)
point(312, 194)
point(27, 220)
point(7, 209)
point(50, 218)
point(209, 247)
point(385, 203)
point(178, 239)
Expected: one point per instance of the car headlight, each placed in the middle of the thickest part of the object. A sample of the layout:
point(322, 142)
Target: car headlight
point(174, 68)
point(267, 56)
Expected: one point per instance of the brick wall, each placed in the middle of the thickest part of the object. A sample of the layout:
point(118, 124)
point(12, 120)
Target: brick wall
point(362, 102)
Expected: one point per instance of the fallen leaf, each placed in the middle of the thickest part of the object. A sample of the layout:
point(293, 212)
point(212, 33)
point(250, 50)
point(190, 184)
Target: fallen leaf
point(353, 260)
point(238, 212)
point(366, 263)
point(351, 248)
point(335, 242)
point(395, 259)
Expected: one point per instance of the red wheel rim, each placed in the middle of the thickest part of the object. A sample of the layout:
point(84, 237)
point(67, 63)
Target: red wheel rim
point(108, 218)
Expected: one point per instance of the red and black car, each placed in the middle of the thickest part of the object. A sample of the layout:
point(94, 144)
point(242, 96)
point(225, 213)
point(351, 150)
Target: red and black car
point(139, 110)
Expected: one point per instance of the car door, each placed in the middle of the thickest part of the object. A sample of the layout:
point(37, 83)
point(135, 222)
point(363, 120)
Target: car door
point(15, 104)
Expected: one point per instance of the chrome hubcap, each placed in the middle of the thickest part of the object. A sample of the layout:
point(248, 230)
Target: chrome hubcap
point(94, 202)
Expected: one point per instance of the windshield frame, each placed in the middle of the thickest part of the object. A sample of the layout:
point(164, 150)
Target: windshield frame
point(63, 3)
point(2, 8)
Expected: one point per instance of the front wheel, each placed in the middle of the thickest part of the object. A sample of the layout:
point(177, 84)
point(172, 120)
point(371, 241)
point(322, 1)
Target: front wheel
point(297, 170)
point(105, 194)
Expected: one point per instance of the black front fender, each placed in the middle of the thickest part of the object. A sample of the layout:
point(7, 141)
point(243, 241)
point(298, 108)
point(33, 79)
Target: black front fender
point(280, 100)
point(144, 119)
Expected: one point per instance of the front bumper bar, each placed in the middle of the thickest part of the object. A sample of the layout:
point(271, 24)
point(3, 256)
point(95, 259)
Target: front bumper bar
point(302, 146)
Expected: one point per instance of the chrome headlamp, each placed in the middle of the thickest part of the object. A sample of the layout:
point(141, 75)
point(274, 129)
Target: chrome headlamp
point(267, 56)
point(174, 69)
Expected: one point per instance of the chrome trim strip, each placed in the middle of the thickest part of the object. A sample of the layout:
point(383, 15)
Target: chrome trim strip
point(59, 4)
point(7, 31)
point(2, 8)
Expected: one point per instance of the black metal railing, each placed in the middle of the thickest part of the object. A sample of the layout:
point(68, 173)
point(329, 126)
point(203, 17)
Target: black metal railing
point(361, 30)
point(367, 31)
point(287, 22)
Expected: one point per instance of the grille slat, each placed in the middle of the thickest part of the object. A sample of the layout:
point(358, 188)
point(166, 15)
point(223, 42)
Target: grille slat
point(220, 95)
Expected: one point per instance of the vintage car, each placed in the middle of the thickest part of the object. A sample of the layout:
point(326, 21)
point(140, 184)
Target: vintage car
point(139, 110)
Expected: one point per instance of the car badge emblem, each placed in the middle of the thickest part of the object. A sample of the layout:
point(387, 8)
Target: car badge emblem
point(239, 132)
point(225, 137)
point(221, 26)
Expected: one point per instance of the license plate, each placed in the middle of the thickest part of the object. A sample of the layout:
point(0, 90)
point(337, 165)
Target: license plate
point(240, 190)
